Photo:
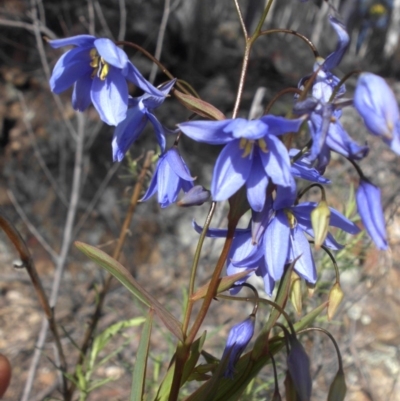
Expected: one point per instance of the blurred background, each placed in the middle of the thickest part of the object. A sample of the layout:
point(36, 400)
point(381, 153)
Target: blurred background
point(59, 184)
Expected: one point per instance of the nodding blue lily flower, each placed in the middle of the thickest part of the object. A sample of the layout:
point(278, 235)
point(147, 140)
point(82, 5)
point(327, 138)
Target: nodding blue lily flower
point(98, 69)
point(368, 198)
point(253, 154)
point(238, 339)
point(170, 177)
point(139, 113)
point(377, 105)
point(277, 236)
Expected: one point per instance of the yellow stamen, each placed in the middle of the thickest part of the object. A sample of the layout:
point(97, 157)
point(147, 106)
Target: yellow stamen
point(291, 219)
point(263, 145)
point(100, 66)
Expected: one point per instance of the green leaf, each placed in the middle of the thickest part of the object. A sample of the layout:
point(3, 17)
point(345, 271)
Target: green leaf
point(139, 371)
point(165, 388)
point(199, 106)
point(224, 284)
point(194, 354)
point(126, 279)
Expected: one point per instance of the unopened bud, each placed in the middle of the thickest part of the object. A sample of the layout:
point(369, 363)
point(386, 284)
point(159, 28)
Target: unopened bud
point(194, 197)
point(299, 368)
point(338, 388)
point(335, 298)
point(310, 288)
point(295, 292)
point(320, 222)
point(276, 396)
point(290, 389)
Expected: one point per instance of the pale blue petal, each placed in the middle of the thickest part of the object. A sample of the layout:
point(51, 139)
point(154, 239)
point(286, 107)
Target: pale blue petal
point(158, 129)
point(256, 185)
point(230, 172)
point(132, 74)
point(110, 97)
point(276, 161)
point(285, 196)
point(279, 125)
point(277, 245)
point(176, 163)
point(152, 189)
point(127, 132)
point(81, 94)
point(305, 266)
point(212, 132)
point(79, 40)
point(69, 68)
point(111, 53)
point(241, 128)
point(152, 101)
point(219, 232)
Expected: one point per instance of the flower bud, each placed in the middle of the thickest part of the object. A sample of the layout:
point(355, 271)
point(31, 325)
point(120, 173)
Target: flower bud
point(291, 394)
point(238, 338)
point(368, 198)
point(299, 369)
point(377, 105)
point(335, 298)
point(320, 217)
point(196, 196)
point(337, 390)
point(295, 292)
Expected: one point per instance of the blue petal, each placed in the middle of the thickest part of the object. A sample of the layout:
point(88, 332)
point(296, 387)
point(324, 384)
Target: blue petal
point(260, 220)
point(158, 129)
point(110, 97)
point(79, 40)
point(279, 125)
point(111, 53)
point(369, 206)
point(338, 220)
point(277, 245)
point(334, 58)
point(269, 282)
point(167, 183)
point(176, 163)
point(305, 266)
point(69, 68)
point(219, 232)
point(212, 132)
point(285, 196)
point(133, 74)
point(230, 172)
point(127, 132)
point(276, 161)
point(152, 189)
point(256, 185)
point(152, 101)
point(241, 128)
point(81, 94)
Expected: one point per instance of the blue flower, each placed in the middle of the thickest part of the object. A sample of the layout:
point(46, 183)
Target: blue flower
point(253, 154)
point(377, 105)
point(325, 128)
point(139, 113)
point(98, 69)
point(170, 177)
point(238, 339)
point(302, 168)
point(369, 206)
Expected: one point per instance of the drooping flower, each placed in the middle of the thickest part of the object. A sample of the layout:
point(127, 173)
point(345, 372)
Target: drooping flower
point(326, 131)
point(377, 105)
point(238, 339)
point(253, 154)
point(139, 113)
point(170, 177)
point(98, 69)
point(368, 198)
point(277, 236)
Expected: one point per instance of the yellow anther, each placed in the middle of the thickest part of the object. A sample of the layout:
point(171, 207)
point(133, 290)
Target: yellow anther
point(263, 145)
point(100, 66)
point(291, 219)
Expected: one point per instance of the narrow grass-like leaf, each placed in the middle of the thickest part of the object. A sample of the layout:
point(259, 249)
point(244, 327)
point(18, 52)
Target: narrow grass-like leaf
point(199, 106)
point(139, 371)
point(224, 284)
point(165, 388)
point(195, 351)
point(126, 279)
